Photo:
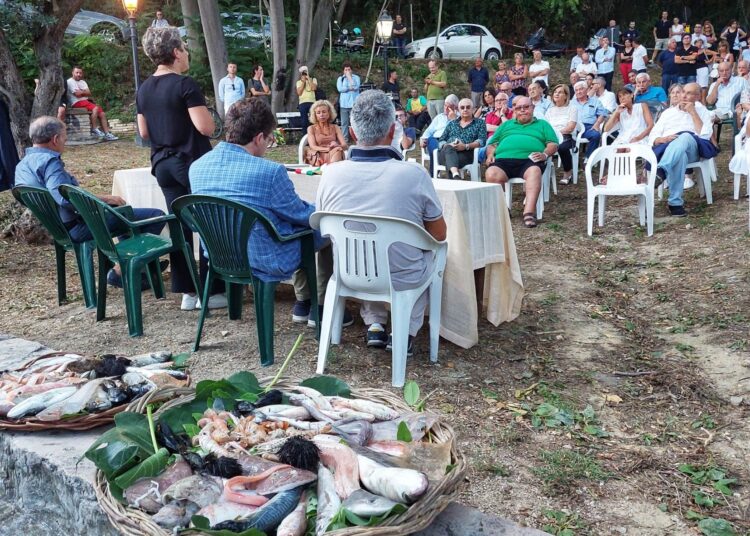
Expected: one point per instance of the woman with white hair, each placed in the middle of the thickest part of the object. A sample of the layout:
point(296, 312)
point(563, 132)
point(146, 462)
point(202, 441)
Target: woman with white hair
point(325, 141)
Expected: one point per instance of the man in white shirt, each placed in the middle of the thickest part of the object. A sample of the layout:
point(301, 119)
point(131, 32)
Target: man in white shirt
point(640, 57)
point(577, 59)
point(698, 34)
point(723, 91)
point(434, 130)
point(676, 127)
point(160, 21)
point(586, 66)
point(231, 87)
point(539, 69)
point(79, 96)
point(605, 61)
point(607, 98)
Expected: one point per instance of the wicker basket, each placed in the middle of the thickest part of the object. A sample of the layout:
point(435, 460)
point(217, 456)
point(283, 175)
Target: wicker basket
point(92, 420)
point(419, 516)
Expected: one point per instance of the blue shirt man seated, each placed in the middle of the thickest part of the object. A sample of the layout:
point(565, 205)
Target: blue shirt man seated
point(236, 170)
point(42, 166)
point(654, 96)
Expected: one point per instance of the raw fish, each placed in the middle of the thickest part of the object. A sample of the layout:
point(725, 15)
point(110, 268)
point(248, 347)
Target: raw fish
point(37, 403)
point(380, 411)
point(73, 404)
point(99, 402)
point(328, 500)
point(145, 493)
point(401, 485)
point(366, 504)
point(175, 514)
point(418, 424)
point(295, 523)
point(269, 516)
point(283, 410)
point(199, 489)
point(225, 511)
point(150, 359)
point(342, 461)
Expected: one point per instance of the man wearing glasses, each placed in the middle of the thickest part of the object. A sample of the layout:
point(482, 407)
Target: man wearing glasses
point(520, 148)
point(231, 87)
point(236, 170)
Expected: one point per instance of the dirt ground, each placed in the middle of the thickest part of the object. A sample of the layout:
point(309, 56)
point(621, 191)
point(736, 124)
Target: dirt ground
point(650, 332)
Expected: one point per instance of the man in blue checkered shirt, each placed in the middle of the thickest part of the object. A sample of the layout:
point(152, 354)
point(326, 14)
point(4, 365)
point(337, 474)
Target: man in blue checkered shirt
point(236, 170)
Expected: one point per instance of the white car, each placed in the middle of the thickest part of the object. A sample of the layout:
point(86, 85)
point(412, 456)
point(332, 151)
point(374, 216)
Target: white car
point(458, 41)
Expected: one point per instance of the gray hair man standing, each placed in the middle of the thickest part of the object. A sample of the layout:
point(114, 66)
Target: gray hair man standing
point(368, 183)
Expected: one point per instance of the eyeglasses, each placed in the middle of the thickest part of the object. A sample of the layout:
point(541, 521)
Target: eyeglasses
point(270, 140)
point(522, 107)
point(464, 107)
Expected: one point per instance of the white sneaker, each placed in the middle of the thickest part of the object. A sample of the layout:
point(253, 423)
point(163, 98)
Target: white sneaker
point(689, 183)
point(110, 137)
point(189, 302)
point(97, 132)
point(217, 301)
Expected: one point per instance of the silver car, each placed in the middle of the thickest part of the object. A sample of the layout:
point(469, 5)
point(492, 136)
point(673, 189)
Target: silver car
point(93, 23)
point(458, 41)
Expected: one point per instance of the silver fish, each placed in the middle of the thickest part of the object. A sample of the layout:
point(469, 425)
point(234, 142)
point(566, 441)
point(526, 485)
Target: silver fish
point(133, 378)
point(366, 504)
point(310, 405)
point(320, 401)
point(270, 515)
point(175, 514)
point(36, 403)
point(99, 401)
point(380, 411)
point(199, 489)
point(226, 510)
point(150, 358)
point(397, 484)
point(295, 523)
point(283, 410)
point(418, 424)
point(149, 373)
point(73, 404)
point(328, 500)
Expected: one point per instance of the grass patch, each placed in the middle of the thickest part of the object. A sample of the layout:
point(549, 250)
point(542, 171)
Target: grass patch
point(562, 470)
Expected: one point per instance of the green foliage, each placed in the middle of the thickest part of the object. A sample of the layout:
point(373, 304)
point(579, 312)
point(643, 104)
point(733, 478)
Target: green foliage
point(710, 476)
point(561, 523)
point(716, 527)
point(412, 394)
point(563, 469)
point(403, 433)
point(328, 386)
point(202, 524)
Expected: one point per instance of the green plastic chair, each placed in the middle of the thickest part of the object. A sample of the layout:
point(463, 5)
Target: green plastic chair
point(41, 203)
point(141, 251)
point(224, 227)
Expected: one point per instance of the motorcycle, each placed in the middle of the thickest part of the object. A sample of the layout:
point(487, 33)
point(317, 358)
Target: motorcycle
point(351, 42)
point(594, 41)
point(538, 40)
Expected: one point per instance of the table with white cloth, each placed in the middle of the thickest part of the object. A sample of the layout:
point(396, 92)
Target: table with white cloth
point(479, 236)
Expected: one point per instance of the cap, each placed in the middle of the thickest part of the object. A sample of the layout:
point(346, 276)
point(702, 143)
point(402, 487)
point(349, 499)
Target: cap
point(303, 69)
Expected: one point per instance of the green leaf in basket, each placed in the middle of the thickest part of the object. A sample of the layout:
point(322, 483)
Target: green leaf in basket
point(328, 386)
point(403, 433)
point(244, 382)
point(354, 519)
point(123, 446)
point(411, 393)
point(180, 360)
point(202, 524)
point(151, 466)
point(191, 429)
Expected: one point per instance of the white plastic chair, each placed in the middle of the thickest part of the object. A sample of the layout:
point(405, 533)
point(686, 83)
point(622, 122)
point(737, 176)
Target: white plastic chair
point(425, 155)
point(361, 270)
point(622, 179)
point(580, 142)
point(707, 169)
point(738, 141)
point(539, 199)
point(301, 150)
point(574, 155)
point(472, 168)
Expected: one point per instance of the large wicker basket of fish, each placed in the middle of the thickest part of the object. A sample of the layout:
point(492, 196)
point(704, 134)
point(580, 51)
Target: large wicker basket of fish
point(234, 457)
point(64, 391)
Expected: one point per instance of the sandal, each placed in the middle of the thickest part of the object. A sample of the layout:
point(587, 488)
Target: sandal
point(566, 180)
point(529, 220)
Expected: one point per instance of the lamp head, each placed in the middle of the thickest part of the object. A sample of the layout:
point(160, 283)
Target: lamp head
point(384, 25)
point(131, 6)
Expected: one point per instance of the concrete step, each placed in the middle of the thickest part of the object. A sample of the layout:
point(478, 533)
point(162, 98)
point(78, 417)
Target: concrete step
point(47, 485)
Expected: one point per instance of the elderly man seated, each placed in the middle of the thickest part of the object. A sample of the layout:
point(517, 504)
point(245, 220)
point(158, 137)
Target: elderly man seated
point(520, 148)
point(236, 170)
point(723, 91)
point(431, 135)
point(460, 138)
point(654, 96)
point(540, 102)
point(591, 113)
point(680, 137)
point(606, 97)
point(42, 166)
point(368, 183)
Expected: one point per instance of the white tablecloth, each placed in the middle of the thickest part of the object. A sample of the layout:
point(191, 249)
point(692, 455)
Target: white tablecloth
point(479, 236)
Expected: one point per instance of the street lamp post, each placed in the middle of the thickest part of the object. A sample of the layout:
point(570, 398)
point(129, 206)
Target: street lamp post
point(384, 29)
point(131, 6)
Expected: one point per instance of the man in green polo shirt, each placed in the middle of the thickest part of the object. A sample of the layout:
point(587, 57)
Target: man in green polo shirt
point(520, 148)
point(434, 88)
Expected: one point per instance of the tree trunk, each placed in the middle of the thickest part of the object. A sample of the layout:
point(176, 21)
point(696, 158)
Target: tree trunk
point(319, 34)
point(191, 15)
point(278, 47)
point(215, 45)
point(302, 52)
point(47, 42)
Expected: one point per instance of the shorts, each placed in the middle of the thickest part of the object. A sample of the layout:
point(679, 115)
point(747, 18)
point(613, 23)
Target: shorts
point(701, 76)
point(85, 103)
point(516, 167)
point(661, 44)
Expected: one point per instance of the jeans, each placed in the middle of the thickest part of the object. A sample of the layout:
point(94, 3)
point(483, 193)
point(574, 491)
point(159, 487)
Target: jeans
point(680, 152)
point(419, 121)
point(565, 156)
point(432, 144)
point(476, 98)
point(81, 232)
point(686, 79)
point(435, 107)
point(608, 79)
point(323, 270)
point(304, 112)
point(667, 80)
point(398, 43)
point(172, 176)
point(594, 136)
point(345, 123)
